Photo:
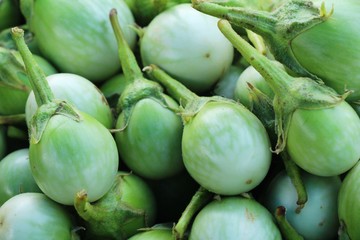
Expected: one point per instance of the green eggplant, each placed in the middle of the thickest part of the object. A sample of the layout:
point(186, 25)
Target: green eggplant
point(127, 207)
point(16, 176)
point(148, 129)
point(76, 36)
point(69, 150)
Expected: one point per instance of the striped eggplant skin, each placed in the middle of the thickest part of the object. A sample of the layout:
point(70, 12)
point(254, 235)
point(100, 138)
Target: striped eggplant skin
point(325, 142)
point(35, 216)
point(80, 92)
point(234, 218)
point(77, 35)
point(174, 43)
point(150, 145)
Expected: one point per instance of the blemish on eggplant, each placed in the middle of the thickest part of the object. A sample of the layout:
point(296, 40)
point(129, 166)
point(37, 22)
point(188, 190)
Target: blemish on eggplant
point(249, 215)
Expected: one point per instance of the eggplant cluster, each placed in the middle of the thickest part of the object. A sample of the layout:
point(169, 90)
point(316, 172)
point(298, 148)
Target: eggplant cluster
point(179, 119)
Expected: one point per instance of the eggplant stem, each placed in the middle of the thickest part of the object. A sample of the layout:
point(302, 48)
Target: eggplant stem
point(128, 60)
point(237, 15)
point(176, 89)
point(278, 79)
point(12, 119)
point(39, 84)
point(293, 171)
point(82, 206)
point(199, 200)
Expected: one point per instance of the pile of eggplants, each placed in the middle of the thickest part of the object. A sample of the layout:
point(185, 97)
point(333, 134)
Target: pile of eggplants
point(179, 119)
point(225, 147)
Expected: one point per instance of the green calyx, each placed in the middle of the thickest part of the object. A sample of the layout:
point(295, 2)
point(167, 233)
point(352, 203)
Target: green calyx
point(262, 107)
point(278, 27)
point(135, 92)
point(137, 87)
point(109, 216)
point(48, 106)
point(42, 116)
point(188, 112)
point(291, 93)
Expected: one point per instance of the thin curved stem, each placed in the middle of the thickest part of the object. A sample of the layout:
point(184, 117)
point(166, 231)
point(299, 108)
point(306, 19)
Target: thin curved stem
point(39, 84)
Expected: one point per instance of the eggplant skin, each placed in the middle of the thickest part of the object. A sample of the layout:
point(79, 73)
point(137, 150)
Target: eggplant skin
point(87, 48)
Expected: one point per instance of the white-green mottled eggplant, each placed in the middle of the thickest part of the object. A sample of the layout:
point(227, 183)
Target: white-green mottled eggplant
point(69, 150)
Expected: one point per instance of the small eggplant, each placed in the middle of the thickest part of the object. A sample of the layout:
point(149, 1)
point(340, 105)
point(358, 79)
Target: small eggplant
point(34, 216)
point(76, 36)
point(69, 150)
point(148, 129)
point(188, 46)
point(127, 207)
